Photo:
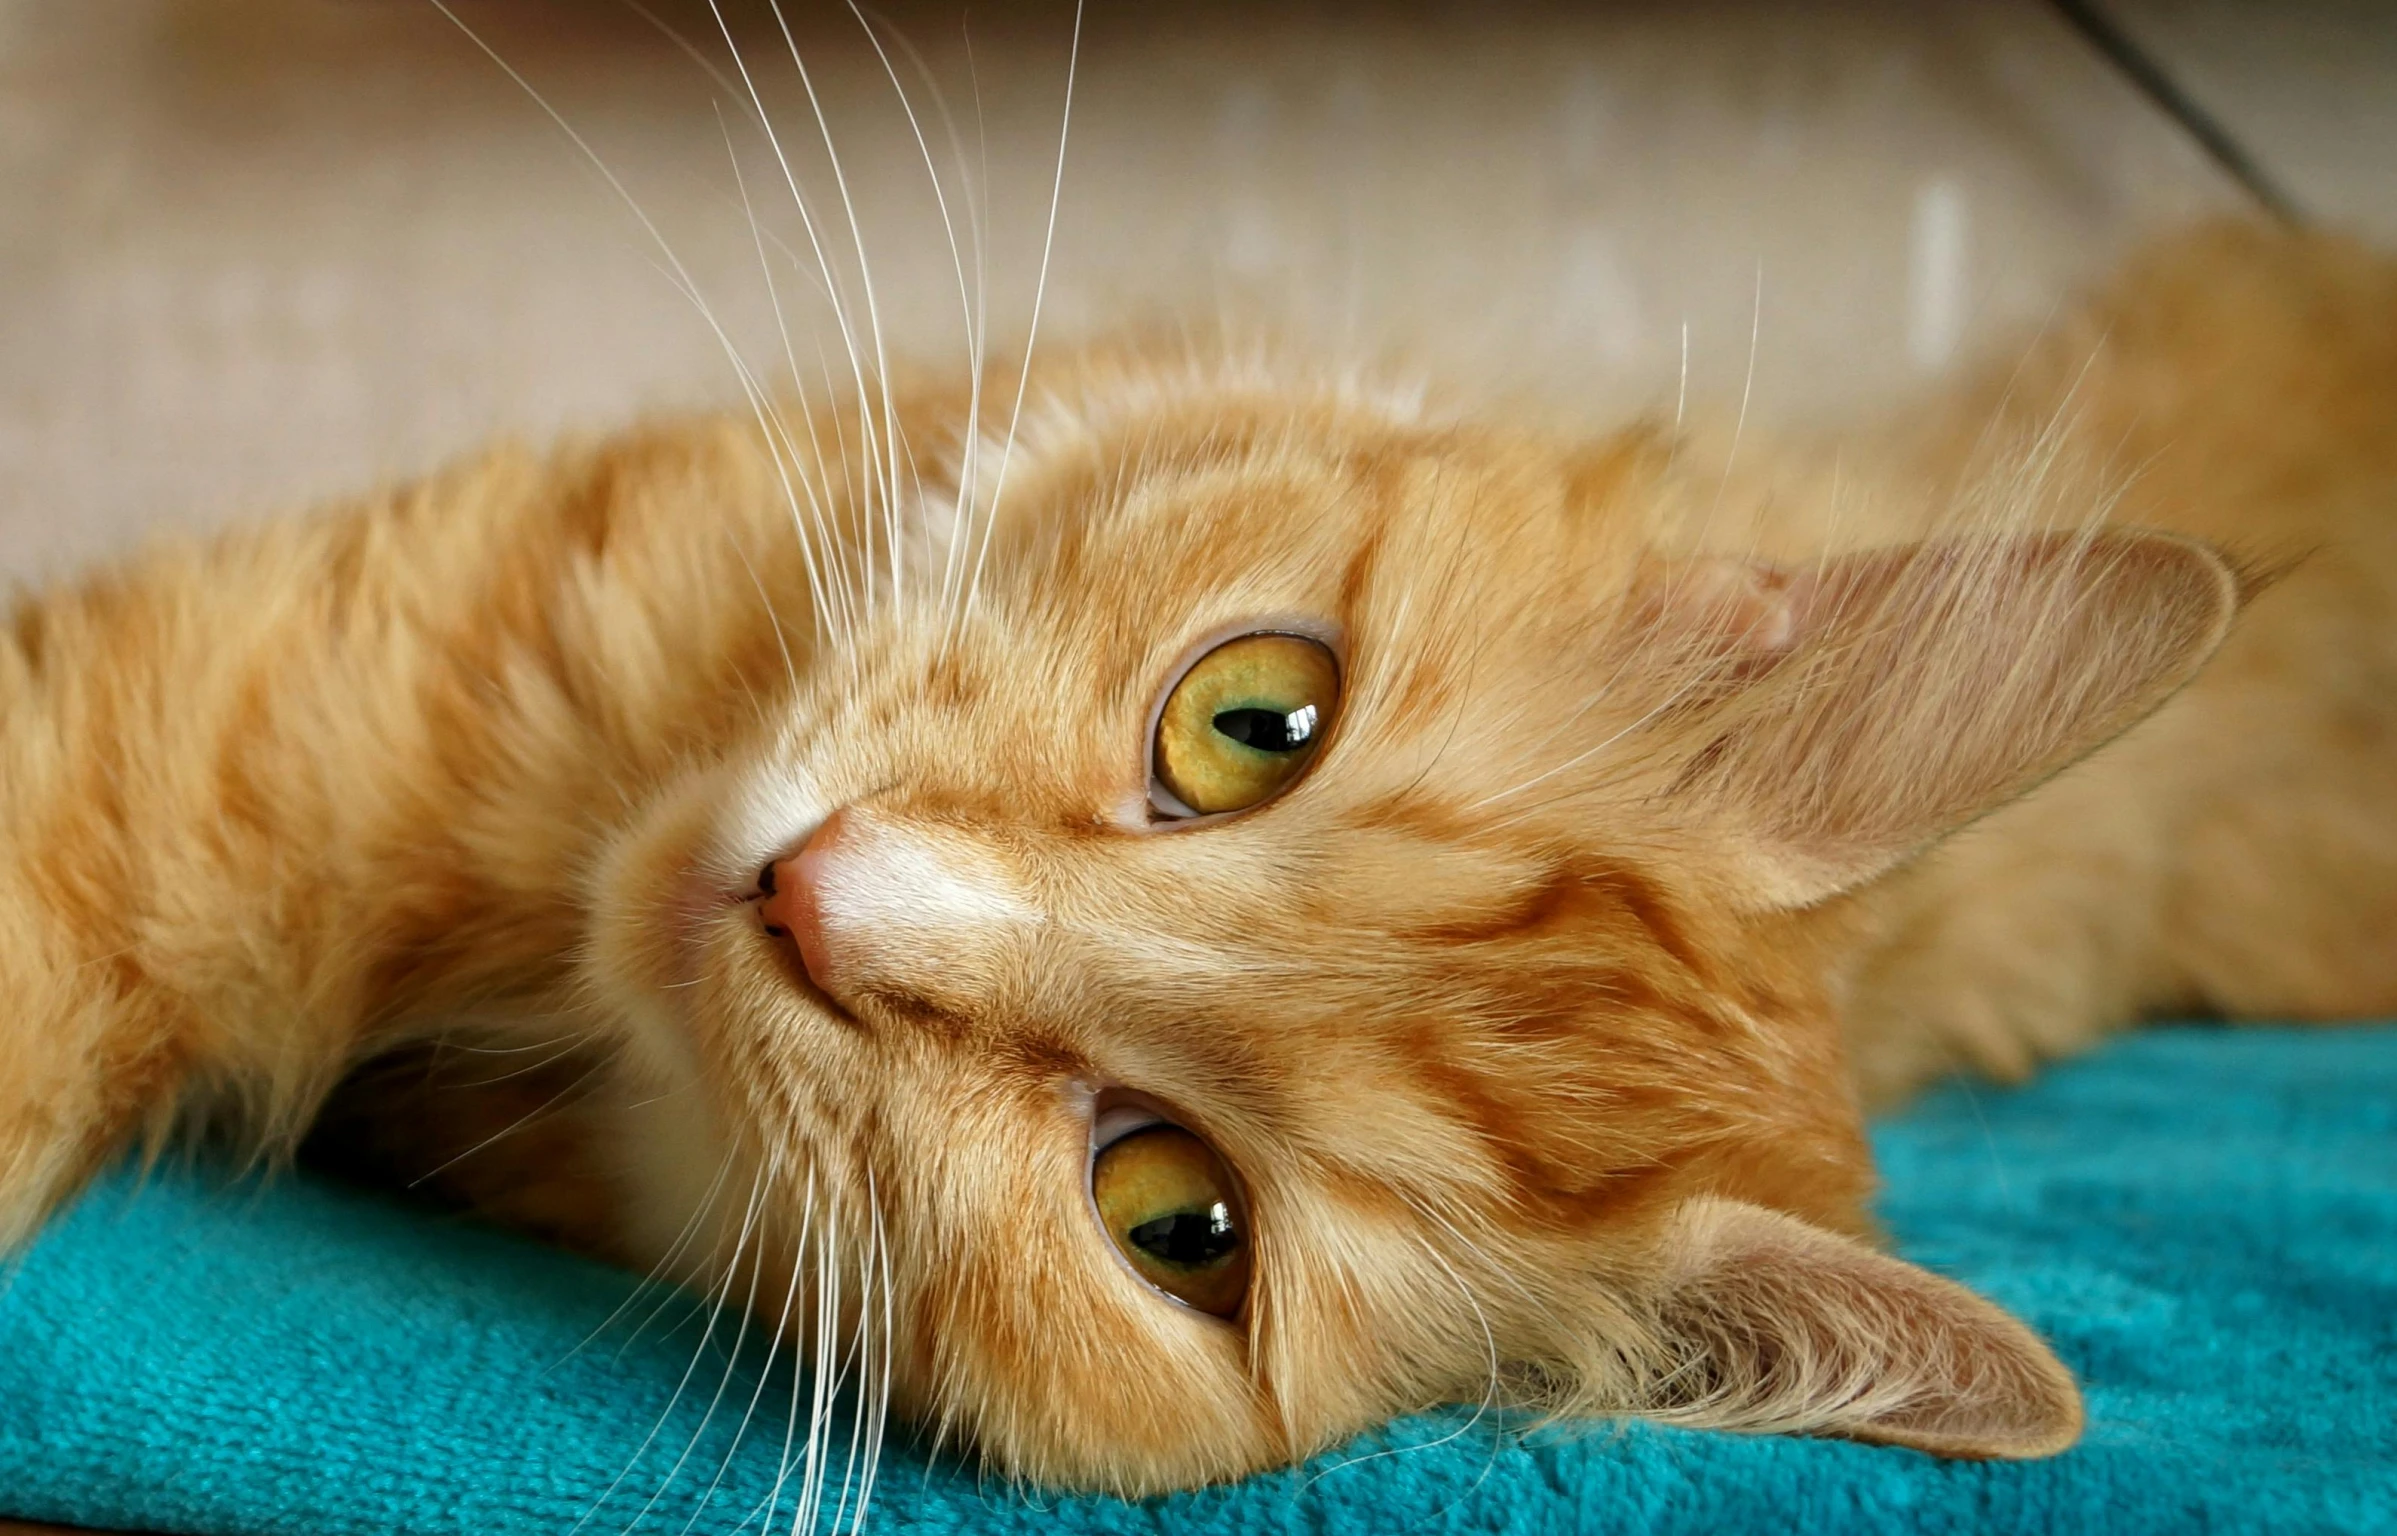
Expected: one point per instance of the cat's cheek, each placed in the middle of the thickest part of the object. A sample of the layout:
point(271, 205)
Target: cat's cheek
point(1066, 1368)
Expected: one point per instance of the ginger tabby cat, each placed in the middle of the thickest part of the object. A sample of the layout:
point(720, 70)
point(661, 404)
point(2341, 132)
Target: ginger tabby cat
point(1262, 903)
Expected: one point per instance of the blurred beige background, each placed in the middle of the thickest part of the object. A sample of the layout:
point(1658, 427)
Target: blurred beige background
point(257, 253)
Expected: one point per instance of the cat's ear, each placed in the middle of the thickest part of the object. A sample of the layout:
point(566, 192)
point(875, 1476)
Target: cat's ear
point(1848, 715)
point(1771, 1324)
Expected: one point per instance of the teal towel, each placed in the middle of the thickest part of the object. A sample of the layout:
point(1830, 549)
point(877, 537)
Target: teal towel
point(2204, 1221)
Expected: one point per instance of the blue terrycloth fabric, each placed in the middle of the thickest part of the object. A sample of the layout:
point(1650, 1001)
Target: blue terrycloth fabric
point(2204, 1221)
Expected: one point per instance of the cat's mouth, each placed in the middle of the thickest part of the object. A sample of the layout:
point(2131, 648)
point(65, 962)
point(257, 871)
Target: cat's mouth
point(694, 912)
point(701, 904)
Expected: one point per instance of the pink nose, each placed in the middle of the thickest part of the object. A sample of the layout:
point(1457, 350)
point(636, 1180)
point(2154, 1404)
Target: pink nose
point(794, 900)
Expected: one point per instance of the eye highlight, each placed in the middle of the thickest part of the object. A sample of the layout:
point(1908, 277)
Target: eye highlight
point(1242, 724)
point(1168, 1205)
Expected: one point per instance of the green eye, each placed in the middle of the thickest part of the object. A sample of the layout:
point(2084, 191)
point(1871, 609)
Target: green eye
point(1244, 722)
point(1169, 1207)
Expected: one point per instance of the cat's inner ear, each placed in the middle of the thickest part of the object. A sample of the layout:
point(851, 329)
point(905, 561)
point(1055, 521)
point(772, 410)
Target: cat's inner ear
point(1770, 1324)
point(1831, 721)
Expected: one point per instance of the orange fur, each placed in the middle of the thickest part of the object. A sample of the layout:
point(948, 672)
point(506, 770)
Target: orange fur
point(1529, 1019)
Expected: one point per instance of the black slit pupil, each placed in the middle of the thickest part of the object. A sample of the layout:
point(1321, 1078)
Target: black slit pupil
point(1268, 730)
point(1187, 1239)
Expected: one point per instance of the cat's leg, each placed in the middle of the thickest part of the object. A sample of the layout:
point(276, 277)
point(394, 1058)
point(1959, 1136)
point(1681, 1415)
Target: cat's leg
point(87, 1063)
point(2285, 909)
point(2234, 857)
point(2027, 937)
point(281, 803)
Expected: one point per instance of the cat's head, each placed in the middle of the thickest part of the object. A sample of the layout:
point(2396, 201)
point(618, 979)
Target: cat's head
point(1321, 932)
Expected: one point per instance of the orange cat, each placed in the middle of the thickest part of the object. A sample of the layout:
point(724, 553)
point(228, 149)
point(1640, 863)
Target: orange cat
point(1259, 905)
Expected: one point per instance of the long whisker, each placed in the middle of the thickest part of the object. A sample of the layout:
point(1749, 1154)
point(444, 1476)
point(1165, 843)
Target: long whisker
point(729, 87)
point(1681, 395)
point(880, 1384)
point(976, 307)
point(820, 280)
point(1739, 427)
point(782, 1466)
point(889, 470)
point(776, 433)
point(866, 1418)
point(564, 1046)
point(665, 1415)
point(682, 1240)
point(1481, 1410)
point(782, 643)
point(840, 310)
point(749, 1411)
point(732, 1362)
point(1040, 289)
point(970, 478)
point(665, 247)
point(965, 298)
point(782, 328)
point(677, 273)
point(518, 1124)
point(821, 1386)
point(855, 1356)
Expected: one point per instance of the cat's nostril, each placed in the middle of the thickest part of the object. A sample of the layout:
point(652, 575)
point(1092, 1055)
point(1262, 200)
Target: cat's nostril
point(786, 904)
point(787, 908)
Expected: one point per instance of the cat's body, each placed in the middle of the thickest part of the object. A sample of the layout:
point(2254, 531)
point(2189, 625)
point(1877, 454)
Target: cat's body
point(2236, 855)
point(1539, 1022)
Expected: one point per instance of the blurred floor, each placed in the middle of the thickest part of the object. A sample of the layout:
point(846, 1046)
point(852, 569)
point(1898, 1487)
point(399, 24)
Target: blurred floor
point(253, 254)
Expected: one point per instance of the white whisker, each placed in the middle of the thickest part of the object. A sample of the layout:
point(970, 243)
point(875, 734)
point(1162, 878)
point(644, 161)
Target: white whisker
point(821, 1384)
point(513, 1126)
point(1681, 397)
point(765, 1370)
point(1040, 291)
point(972, 297)
point(815, 583)
point(682, 1240)
point(867, 1414)
point(888, 471)
point(679, 276)
point(1481, 1410)
point(688, 285)
point(878, 1428)
point(1739, 427)
point(840, 310)
point(782, 1466)
point(790, 666)
point(759, 1187)
point(956, 257)
point(666, 1414)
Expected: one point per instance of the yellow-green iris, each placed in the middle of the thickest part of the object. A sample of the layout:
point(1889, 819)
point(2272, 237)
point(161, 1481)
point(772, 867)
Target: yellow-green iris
point(1245, 721)
point(1168, 1205)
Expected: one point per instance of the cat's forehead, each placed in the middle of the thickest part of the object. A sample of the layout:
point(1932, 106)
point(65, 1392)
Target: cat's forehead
point(1205, 511)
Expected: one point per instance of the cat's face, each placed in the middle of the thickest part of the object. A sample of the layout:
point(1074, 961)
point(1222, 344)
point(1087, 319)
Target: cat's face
point(1369, 801)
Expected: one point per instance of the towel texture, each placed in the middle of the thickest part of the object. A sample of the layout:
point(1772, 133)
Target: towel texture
point(2204, 1221)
